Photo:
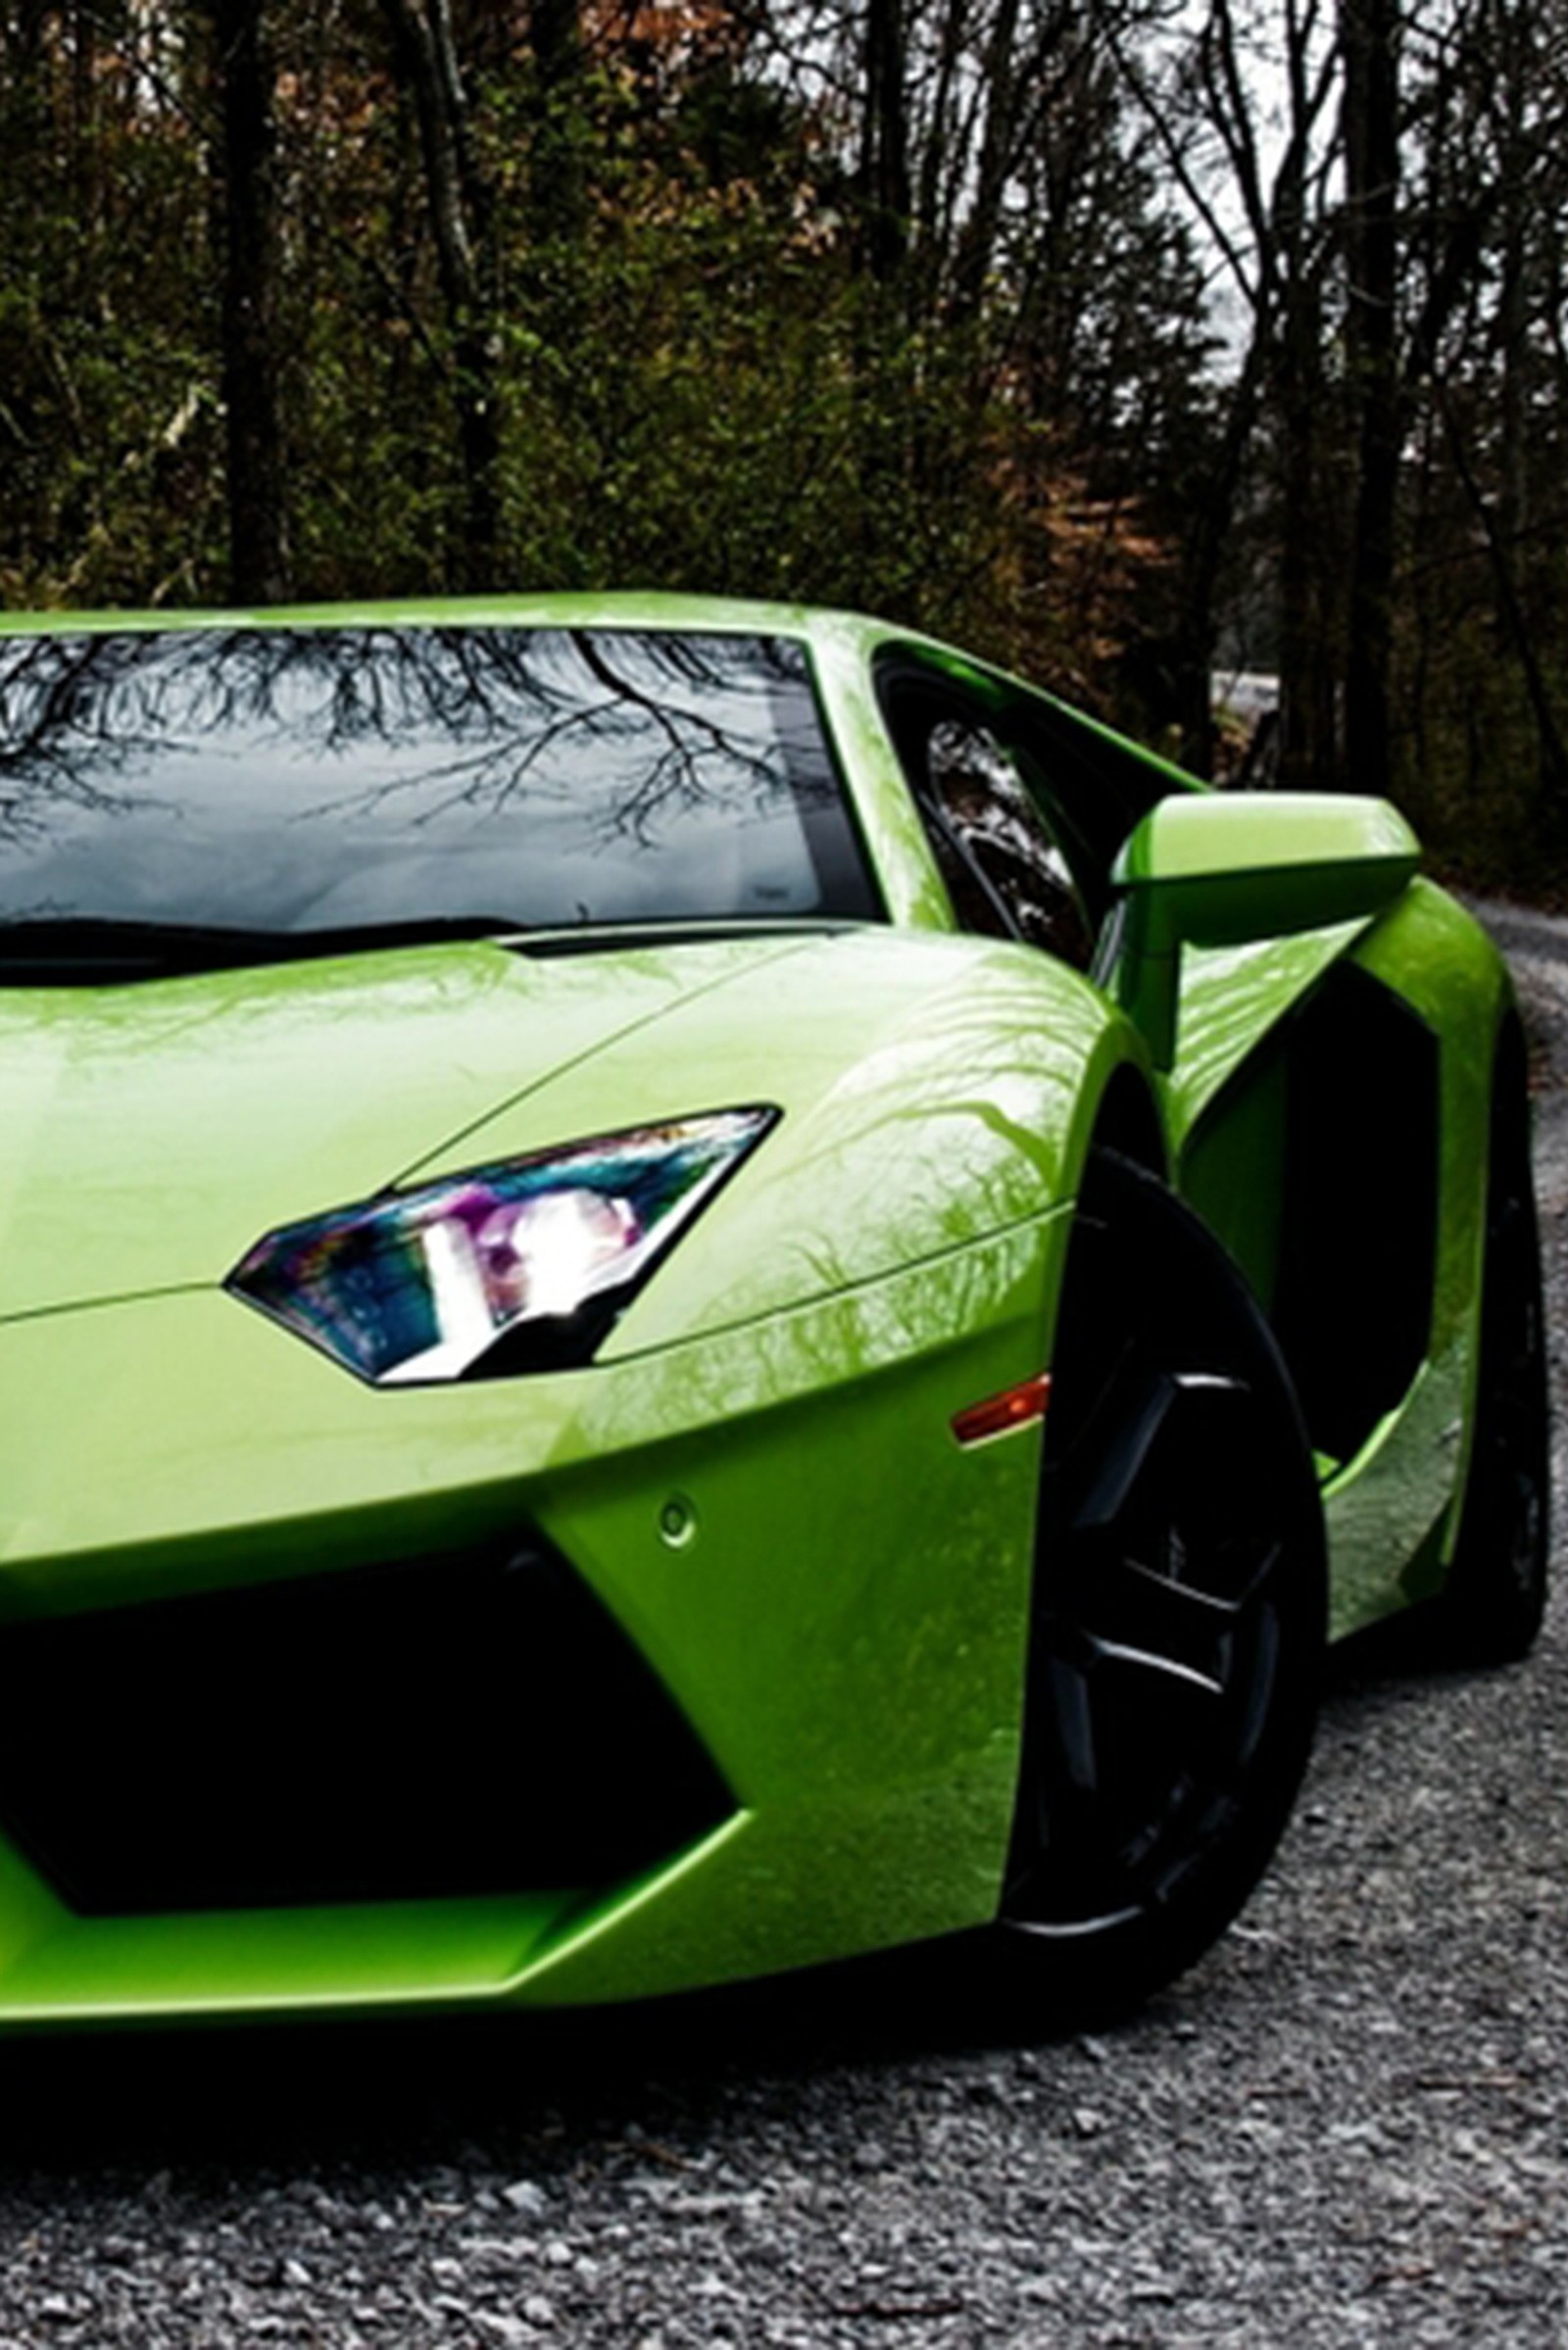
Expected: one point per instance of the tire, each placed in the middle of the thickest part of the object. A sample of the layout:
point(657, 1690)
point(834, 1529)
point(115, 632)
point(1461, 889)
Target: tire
point(1490, 1608)
point(1177, 1633)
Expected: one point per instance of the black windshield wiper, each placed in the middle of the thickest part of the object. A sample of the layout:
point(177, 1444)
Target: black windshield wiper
point(703, 930)
point(71, 950)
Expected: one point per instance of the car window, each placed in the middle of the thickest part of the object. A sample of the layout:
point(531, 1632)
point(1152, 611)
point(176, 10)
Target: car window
point(1004, 838)
point(1004, 870)
point(1084, 787)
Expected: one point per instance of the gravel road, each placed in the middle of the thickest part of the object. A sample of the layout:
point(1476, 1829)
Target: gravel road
point(1350, 2124)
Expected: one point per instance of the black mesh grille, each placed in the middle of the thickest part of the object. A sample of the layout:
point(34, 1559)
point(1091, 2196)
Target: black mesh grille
point(469, 1724)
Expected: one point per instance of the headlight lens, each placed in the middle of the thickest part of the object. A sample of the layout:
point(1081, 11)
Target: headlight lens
point(518, 1267)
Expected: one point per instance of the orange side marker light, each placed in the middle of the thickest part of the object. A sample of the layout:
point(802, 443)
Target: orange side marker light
point(1001, 1415)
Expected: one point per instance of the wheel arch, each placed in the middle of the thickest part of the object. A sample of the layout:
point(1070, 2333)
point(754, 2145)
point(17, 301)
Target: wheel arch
point(1127, 1120)
point(1119, 1111)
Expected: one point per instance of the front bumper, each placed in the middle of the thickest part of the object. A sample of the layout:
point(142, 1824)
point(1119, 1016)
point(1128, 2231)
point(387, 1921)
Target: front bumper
point(825, 1596)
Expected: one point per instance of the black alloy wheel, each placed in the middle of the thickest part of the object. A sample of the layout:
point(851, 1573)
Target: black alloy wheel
point(1490, 1609)
point(1178, 1623)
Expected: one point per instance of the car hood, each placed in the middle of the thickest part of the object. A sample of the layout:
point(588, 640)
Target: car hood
point(150, 1133)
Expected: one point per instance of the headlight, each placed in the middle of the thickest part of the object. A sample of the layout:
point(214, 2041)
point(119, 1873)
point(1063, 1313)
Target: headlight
point(520, 1267)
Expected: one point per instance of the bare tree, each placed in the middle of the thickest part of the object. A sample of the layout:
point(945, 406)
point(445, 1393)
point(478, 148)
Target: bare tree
point(1241, 107)
point(1370, 40)
point(459, 203)
point(245, 160)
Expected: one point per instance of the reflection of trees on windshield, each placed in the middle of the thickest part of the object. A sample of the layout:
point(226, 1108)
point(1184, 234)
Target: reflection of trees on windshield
point(637, 700)
point(633, 726)
point(301, 779)
point(55, 729)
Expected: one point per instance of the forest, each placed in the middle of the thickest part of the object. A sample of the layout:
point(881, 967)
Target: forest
point(1127, 342)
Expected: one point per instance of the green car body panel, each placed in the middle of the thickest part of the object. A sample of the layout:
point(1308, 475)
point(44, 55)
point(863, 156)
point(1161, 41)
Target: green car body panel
point(747, 1473)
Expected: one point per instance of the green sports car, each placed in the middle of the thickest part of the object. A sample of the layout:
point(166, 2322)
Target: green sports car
point(687, 1287)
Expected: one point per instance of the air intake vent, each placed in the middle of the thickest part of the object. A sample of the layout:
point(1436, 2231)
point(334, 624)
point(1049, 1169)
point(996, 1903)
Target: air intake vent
point(474, 1723)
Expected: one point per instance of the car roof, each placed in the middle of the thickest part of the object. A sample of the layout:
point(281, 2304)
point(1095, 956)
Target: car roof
point(579, 609)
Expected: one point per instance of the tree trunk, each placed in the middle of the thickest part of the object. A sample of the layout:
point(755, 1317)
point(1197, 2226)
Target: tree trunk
point(977, 244)
point(426, 50)
point(247, 213)
point(1306, 561)
point(1370, 34)
point(1308, 535)
point(1552, 746)
point(885, 141)
point(1203, 559)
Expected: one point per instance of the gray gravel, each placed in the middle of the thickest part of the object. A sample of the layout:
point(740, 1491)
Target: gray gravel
point(1349, 2125)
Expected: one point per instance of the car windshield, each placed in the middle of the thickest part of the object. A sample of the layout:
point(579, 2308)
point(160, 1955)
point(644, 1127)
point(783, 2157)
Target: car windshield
point(325, 780)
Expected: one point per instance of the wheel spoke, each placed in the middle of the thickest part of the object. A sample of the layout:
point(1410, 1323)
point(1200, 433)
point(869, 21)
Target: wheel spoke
point(1159, 1659)
point(1074, 1754)
point(1118, 1656)
point(1064, 1774)
point(1113, 1448)
point(1127, 1740)
point(1134, 1608)
point(1144, 1416)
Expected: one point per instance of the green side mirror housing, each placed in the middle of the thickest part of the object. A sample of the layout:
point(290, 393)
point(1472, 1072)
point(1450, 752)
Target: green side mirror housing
point(1206, 870)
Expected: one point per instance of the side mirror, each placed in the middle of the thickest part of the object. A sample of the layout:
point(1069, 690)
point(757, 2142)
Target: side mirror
point(1207, 870)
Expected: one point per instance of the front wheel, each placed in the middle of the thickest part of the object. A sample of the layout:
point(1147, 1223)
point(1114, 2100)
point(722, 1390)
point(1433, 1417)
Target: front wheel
point(1178, 1619)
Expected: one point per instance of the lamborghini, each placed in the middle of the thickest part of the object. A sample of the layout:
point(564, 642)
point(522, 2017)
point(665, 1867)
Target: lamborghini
point(688, 1288)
